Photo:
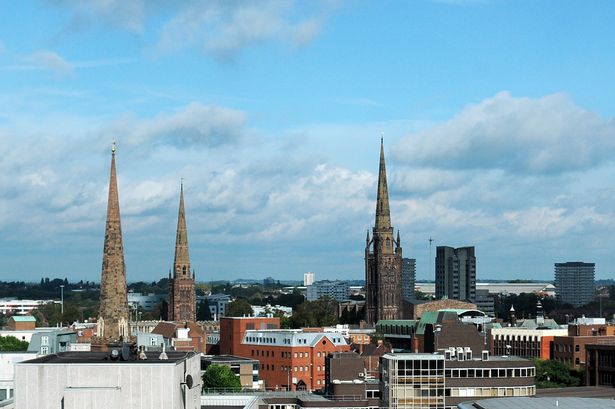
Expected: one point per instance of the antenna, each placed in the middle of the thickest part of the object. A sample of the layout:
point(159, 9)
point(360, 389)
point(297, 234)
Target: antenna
point(430, 241)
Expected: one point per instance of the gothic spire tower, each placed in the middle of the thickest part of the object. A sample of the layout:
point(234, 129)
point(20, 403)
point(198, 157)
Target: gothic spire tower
point(113, 313)
point(383, 256)
point(182, 296)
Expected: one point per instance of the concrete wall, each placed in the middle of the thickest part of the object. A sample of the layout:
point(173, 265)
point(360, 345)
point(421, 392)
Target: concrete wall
point(117, 385)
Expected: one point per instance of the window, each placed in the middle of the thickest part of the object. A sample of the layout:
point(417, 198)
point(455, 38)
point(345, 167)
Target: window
point(44, 340)
point(44, 350)
point(576, 348)
point(153, 342)
point(295, 369)
point(295, 354)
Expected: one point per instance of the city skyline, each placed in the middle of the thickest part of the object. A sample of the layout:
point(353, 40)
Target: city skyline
point(497, 124)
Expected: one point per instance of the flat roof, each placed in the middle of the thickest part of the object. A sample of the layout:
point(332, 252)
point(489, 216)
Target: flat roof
point(226, 358)
point(105, 358)
point(579, 392)
point(538, 403)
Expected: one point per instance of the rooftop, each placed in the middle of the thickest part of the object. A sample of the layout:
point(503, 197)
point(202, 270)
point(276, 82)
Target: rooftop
point(23, 318)
point(538, 403)
point(106, 358)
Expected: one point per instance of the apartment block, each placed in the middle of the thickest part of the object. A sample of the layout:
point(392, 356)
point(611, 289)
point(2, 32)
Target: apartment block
point(456, 273)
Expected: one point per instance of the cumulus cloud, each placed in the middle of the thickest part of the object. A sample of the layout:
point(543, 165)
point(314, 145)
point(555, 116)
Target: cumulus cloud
point(541, 135)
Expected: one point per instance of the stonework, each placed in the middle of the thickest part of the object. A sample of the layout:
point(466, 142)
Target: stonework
point(383, 260)
point(182, 295)
point(113, 313)
point(418, 308)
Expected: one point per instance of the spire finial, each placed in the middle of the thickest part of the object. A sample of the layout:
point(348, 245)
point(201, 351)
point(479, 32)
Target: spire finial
point(113, 148)
point(381, 137)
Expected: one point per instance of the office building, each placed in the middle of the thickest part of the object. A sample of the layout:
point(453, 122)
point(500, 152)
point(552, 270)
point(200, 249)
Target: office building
point(434, 381)
point(182, 295)
point(113, 313)
point(456, 273)
point(217, 304)
point(148, 302)
point(524, 342)
point(408, 278)
point(338, 290)
point(10, 306)
point(308, 278)
point(600, 365)
point(574, 283)
point(120, 378)
point(383, 259)
point(289, 359)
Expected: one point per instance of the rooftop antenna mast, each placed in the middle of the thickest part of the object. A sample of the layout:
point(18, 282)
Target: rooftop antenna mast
point(430, 241)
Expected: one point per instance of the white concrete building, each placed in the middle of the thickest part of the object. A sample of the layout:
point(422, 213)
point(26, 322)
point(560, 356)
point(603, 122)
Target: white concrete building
point(100, 380)
point(20, 307)
point(308, 278)
point(7, 371)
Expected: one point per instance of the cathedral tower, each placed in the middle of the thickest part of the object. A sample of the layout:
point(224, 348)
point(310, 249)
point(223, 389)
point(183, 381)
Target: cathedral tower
point(182, 296)
point(383, 259)
point(113, 314)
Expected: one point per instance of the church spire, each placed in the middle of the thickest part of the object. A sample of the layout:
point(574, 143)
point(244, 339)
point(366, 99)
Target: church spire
point(113, 320)
point(181, 265)
point(383, 213)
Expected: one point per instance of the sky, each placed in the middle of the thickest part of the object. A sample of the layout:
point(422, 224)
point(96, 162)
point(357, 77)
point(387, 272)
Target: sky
point(497, 117)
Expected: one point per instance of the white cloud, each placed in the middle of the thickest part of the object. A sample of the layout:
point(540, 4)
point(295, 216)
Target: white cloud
point(542, 135)
point(218, 27)
point(193, 125)
point(51, 61)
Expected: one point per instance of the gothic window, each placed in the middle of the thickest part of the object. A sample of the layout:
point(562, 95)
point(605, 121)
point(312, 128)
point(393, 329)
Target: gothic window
point(184, 270)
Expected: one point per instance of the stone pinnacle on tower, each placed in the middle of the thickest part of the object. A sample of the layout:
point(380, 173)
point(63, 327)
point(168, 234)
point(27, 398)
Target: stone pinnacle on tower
point(113, 313)
point(383, 213)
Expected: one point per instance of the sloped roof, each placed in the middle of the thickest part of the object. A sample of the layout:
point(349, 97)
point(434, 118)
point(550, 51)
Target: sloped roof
point(23, 318)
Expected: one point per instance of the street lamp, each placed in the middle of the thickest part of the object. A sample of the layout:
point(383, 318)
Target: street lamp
point(62, 295)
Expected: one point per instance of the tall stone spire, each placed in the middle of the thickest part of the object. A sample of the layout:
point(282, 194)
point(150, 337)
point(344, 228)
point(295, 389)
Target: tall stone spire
point(382, 261)
point(181, 265)
point(182, 295)
point(113, 313)
point(383, 213)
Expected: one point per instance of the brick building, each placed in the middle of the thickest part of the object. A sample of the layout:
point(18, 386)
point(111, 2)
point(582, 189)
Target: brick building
point(289, 359)
point(600, 367)
point(571, 349)
point(21, 323)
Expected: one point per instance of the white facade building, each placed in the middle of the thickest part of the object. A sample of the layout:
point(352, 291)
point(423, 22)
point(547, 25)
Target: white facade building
point(338, 290)
point(7, 371)
point(20, 307)
point(308, 278)
point(77, 380)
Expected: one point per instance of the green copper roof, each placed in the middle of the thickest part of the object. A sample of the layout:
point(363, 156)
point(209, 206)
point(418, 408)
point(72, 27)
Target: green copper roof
point(23, 318)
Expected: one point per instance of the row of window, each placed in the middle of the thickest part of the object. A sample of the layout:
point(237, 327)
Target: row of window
point(283, 354)
point(567, 348)
point(490, 373)
point(287, 368)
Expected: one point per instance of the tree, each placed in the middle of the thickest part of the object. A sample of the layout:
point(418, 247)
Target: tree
point(238, 308)
point(221, 377)
point(319, 313)
point(554, 374)
point(12, 344)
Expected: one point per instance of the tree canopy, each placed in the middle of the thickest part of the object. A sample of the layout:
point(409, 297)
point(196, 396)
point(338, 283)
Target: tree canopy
point(238, 308)
point(220, 377)
point(554, 374)
point(319, 313)
point(12, 344)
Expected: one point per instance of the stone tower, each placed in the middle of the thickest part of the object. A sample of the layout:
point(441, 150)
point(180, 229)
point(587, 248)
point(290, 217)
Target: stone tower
point(182, 296)
point(383, 259)
point(113, 315)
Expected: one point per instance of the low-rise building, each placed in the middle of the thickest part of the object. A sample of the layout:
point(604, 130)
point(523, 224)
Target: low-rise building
point(600, 365)
point(7, 371)
point(21, 323)
point(524, 342)
point(182, 336)
point(246, 369)
point(437, 381)
point(147, 301)
point(217, 304)
point(10, 306)
point(114, 379)
point(52, 342)
point(570, 350)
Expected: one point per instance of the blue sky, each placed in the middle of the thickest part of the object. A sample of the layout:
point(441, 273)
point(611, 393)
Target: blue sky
point(497, 116)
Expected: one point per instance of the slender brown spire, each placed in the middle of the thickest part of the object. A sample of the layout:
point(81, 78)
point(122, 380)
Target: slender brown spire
point(383, 214)
point(182, 296)
point(113, 319)
point(181, 265)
